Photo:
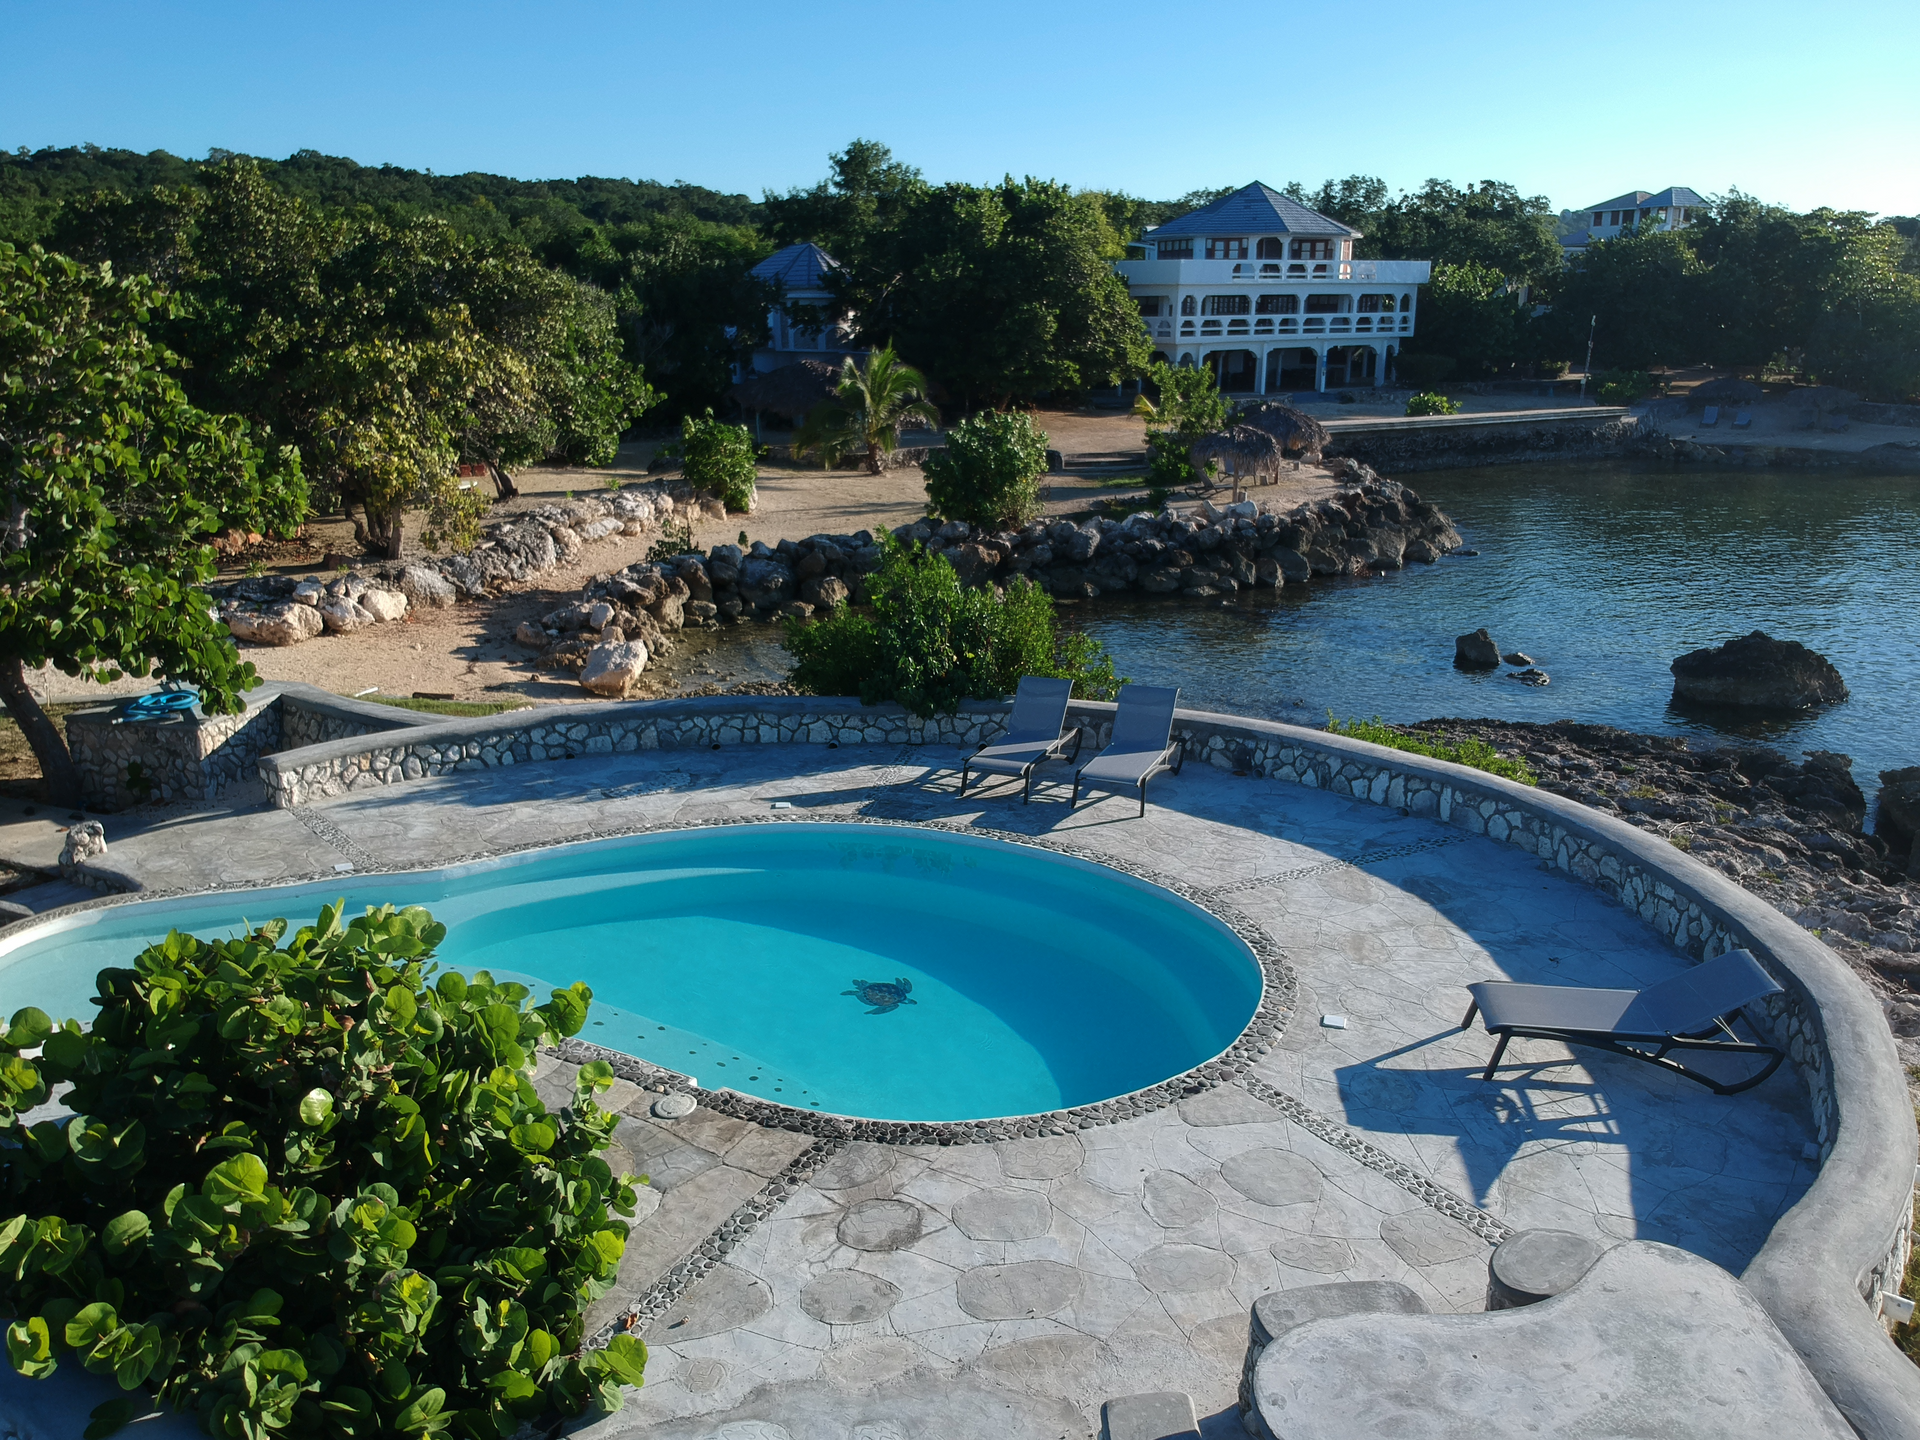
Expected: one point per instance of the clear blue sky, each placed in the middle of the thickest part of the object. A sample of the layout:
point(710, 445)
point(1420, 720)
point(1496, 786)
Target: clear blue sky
point(1803, 104)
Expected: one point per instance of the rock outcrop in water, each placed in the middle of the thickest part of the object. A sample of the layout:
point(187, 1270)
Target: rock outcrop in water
point(1476, 651)
point(1899, 819)
point(1758, 672)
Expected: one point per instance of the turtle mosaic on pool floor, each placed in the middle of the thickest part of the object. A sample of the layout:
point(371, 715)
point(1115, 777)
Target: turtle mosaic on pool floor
point(883, 996)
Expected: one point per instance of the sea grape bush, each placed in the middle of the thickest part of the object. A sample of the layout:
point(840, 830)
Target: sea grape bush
point(717, 456)
point(309, 1190)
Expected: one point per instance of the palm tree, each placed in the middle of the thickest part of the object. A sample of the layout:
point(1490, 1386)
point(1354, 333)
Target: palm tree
point(869, 405)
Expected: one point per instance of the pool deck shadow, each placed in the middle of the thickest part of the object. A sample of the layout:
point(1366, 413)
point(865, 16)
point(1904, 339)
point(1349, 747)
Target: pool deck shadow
point(1054, 1273)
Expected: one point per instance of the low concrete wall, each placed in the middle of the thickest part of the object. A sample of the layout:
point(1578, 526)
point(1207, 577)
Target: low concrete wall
point(1445, 442)
point(1819, 1273)
point(193, 756)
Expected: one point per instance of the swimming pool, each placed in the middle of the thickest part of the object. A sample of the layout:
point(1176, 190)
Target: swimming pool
point(887, 972)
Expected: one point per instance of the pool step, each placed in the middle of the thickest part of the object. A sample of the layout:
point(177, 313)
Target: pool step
point(1161, 1415)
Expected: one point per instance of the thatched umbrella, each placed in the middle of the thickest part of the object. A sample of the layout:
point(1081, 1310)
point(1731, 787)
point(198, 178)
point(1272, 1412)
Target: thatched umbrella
point(1727, 392)
point(1241, 451)
point(1298, 432)
point(792, 390)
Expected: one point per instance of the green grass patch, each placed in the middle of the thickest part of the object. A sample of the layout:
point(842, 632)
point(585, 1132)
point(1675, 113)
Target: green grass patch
point(1477, 753)
point(448, 707)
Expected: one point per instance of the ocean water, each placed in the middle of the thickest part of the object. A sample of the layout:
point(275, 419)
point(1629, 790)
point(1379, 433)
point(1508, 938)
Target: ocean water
point(1026, 981)
point(1603, 574)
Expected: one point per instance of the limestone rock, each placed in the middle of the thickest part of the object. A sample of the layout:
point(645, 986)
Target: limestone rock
point(599, 615)
point(384, 605)
point(1517, 657)
point(530, 635)
point(1530, 676)
point(85, 841)
point(285, 624)
point(344, 616)
point(1758, 672)
point(973, 563)
point(308, 592)
point(1899, 819)
point(825, 593)
point(1420, 550)
point(426, 588)
point(612, 668)
point(1476, 651)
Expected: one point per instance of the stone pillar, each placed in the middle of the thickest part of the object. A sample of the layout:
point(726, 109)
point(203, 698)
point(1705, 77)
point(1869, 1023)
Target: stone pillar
point(1320, 366)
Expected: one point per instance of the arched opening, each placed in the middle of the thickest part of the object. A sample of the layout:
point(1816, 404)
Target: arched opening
point(1234, 371)
point(1272, 248)
point(1352, 365)
point(1290, 370)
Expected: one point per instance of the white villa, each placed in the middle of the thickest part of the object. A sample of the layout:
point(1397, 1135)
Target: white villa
point(1674, 208)
point(800, 271)
point(1266, 294)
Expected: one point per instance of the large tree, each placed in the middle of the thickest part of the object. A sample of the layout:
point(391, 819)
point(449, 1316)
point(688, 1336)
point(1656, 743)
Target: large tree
point(114, 488)
point(386, 352)
point(1001, 293)
point(1640, 293)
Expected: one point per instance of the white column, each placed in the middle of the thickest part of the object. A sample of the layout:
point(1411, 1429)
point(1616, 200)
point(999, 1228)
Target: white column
point(1320, 366)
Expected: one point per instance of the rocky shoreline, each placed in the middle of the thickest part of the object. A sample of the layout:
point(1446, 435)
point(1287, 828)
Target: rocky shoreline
point(1791, 832)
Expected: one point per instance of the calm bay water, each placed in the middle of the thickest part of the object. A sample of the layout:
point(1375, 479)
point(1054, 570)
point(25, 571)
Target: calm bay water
point(1602, 574)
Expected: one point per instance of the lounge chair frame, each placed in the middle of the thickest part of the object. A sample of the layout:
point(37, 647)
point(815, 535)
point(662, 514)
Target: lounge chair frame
point(1033, 748)
point(1653, 1046)
point(1169, 760)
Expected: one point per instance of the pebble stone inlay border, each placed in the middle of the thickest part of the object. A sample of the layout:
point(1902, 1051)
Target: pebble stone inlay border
point(1479, 1221)
point(661, 1296)
point(1371, 857)
point(329, 833)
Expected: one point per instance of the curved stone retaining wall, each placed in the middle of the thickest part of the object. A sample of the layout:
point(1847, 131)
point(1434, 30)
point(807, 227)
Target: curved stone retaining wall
point(1822, 1268)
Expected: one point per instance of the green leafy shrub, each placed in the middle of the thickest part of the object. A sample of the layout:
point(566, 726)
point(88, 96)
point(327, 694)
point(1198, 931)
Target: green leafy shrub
point(930, 642)
point(1623, 387)
point(1431, 403)
point(1477, 753)
point(1550, 369)
point(989, 474)
point(307, 1194)
point(1170, 465)
point(718, 457)
point(1423, 372)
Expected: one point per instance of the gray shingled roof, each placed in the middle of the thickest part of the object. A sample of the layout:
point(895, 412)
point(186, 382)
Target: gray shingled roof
point(1674, 195)
point(796, 268)
point(1633, 199)
point(1255, 209)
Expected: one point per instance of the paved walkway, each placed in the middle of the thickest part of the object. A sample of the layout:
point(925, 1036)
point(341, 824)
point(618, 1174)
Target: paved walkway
point(1006, 1289)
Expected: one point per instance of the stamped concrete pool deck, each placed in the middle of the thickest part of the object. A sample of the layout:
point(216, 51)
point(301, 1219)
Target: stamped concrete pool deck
point(908, 1292)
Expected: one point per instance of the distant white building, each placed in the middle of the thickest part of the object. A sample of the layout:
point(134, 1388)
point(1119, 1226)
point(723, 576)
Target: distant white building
point(801, 273)
point(1266, 294)
point(1674, 208)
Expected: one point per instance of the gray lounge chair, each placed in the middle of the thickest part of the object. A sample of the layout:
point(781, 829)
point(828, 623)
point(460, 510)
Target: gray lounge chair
point(1036, 730)
point(1142, 746)
point(1742, 419)
point(1688, 1012)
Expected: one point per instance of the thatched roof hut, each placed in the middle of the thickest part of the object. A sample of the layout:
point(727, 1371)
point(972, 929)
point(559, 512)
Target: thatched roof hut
point(1298, 432)
point(1727, 392)
point(1241, 451)
point(792, 390)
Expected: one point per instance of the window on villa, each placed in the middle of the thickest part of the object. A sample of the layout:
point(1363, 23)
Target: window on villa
point(1226, 248)
point(1188, 305)
point(1313, 250)
point(1227, 305)
point(1376, 304)
point(1613, 217)
point(1680, 215)
point(1329, 304)
point(1272, 248)
point(1599, 217)
point(1278, 305)
point(1150, 305)
point(1175, 249)
point(1406, 303)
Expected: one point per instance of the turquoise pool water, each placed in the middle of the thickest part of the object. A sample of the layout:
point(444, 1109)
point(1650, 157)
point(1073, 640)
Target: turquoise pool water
point(1036, 981)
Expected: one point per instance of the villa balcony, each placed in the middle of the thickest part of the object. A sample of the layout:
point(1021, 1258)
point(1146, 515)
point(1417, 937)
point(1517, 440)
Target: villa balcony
point(1268, 272)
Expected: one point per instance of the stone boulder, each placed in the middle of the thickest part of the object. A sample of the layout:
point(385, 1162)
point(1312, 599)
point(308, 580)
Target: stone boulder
point(384, 605)
point(426, 588)
point(1757, 672)
point(1898, 822)
point(824, 593)
point(1476, 651)
point(612, 668)
point(85, 841)
point(284, 624)
point(530, 634)
point(344, 616)
point(973, 563)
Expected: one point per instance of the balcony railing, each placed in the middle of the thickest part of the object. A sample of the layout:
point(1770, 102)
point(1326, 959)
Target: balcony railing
point(1166, 327)
point(1267, 272)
